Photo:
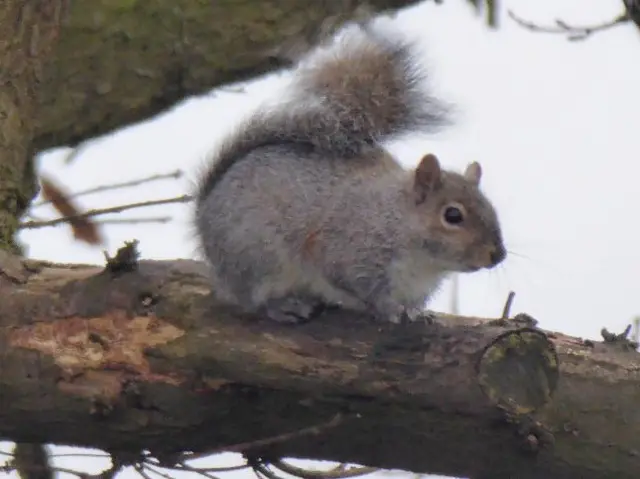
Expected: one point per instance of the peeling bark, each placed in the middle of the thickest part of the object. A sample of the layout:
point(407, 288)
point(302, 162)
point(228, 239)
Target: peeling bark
point(143, 360)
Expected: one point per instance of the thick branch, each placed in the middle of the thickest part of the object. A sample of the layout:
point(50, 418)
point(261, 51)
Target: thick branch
point(118, 63)
point(140, 360)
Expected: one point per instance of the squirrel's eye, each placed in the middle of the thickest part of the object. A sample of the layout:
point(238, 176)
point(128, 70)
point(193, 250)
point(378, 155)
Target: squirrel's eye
point(453, 215)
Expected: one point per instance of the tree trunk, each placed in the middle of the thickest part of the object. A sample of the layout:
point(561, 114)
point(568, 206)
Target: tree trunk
point(126, 361)
point(27, 32)
point(121, 62)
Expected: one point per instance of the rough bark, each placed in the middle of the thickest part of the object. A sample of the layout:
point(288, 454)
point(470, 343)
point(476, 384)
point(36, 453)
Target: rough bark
point(27, 31)
point(120, 62)
point(142, 360)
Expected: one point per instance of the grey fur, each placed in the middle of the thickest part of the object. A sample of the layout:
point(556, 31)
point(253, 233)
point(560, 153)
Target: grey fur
point(365, 89)
point(303, 207)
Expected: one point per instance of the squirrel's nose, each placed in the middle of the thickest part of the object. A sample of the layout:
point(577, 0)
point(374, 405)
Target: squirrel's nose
point(497, 255)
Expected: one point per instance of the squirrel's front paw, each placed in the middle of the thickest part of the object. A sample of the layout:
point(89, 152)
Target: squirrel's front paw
point(416, 315)
point(292, 309)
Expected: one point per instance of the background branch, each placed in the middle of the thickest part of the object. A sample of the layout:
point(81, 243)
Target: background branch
point(573, 32)
point(103, 211)
point(90, 88)
point(116, 186)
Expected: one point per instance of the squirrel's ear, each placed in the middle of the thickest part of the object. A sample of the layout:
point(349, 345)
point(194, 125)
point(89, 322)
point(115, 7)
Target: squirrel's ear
point(473, 173)
point(427, 177)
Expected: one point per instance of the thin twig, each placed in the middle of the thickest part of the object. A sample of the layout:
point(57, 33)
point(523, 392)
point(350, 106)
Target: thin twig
point(104, 211)
point(243, 446)
point(202, 472)
point(78, 454)
point(80, 149)
point(573, 32)
point(336, 473)
point(259, 467)
point(80, 475)
point(183, 466)
point(156, 471)
point(140, 469)
point(132, 221)
point(506, 311)
point(186, 467)
point(163, 176)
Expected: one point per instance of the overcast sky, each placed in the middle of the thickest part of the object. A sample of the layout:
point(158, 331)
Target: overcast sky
point(552, 122)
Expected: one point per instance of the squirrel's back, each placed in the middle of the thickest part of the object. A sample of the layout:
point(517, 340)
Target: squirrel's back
point(344, 100)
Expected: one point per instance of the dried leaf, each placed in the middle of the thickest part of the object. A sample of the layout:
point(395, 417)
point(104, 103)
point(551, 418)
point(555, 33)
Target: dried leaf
point(84, 229)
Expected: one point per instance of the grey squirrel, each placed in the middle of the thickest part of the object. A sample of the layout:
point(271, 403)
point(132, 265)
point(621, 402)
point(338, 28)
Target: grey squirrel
point(302, 207)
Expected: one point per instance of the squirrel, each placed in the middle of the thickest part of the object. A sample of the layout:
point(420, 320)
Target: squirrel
point(302, 208)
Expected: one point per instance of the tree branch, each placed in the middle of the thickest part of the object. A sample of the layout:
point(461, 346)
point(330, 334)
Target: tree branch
point(119, 63)
point(141, 360)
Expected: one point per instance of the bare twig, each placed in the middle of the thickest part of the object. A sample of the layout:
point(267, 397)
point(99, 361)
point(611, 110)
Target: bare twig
point(186, 467)
point(261, 469)
point(243, 446)
point(203, 472)
point(78, 454)
point(573, 32)
point(506, 311)
point(80, 149)
point(131, 221)
point(164, 176)
point(336, 473)
point(37, 470)
point(156, 470)
point(104, 211)
point(154, 466)
point(140, 469)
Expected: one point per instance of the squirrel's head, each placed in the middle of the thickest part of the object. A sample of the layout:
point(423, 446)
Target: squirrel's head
point(461, 226)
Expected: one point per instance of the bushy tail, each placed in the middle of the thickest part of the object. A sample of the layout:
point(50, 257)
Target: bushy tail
point(364, 88)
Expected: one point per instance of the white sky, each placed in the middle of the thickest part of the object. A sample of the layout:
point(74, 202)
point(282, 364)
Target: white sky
point(552, 122)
